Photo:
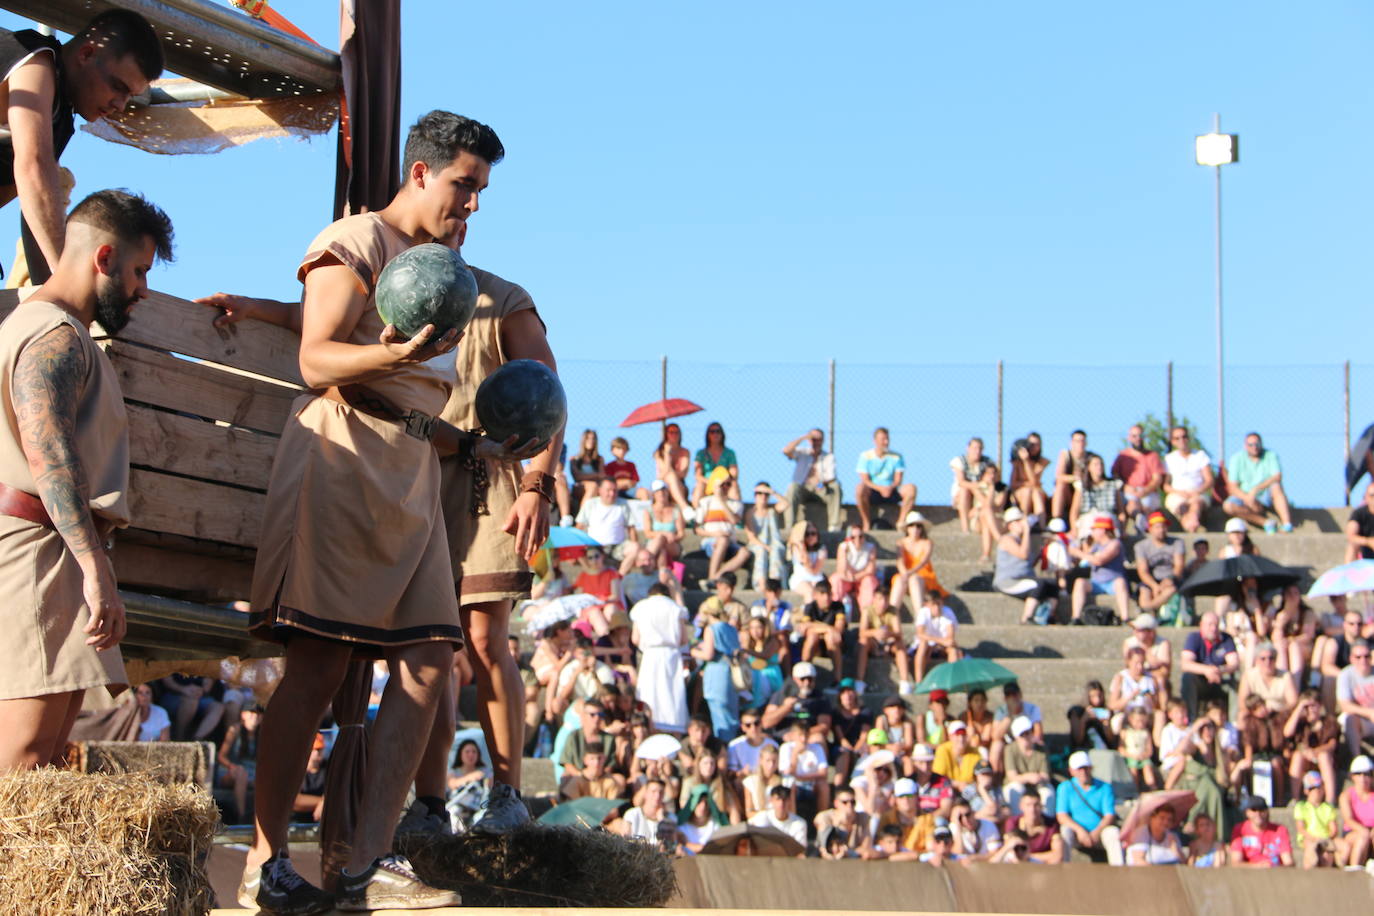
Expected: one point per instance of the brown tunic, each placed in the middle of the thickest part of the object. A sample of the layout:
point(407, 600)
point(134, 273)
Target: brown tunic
point(43, 610)
point(485, 562)
point(353, 544)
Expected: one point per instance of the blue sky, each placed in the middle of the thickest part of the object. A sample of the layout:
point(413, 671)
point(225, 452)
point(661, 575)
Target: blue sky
point(898, 184)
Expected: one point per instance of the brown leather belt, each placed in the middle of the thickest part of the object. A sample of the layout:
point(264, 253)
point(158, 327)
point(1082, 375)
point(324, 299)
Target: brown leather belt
point(365, 400)
point(18, 504)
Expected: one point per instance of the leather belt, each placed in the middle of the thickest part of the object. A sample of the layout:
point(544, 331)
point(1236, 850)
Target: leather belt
point(18, 504)
point(365, 400)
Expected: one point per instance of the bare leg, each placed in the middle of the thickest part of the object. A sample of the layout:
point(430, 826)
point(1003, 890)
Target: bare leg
point(922, 656)
point(903, 664)
point(186, 714)
point(963, 500)
point(908, 493)
point(213, 713)
point(861, 668)
point(1080, 597)
point(1281, 507)
point(431, 775)
point(861, 500)
point(1123, 599)
point(499, 688)
point(33, 730)
point(561, 494)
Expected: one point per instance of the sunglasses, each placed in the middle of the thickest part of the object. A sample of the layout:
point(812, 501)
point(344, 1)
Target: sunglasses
point(595, 715)
point(749, 725)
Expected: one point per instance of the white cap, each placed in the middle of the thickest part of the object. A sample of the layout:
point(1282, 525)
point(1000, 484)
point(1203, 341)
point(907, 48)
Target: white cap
point(956, 726)
point(803, 669)
point(1362, 764)
point(1078, 760)
point(1013, 515)
point(913, 518)
point(658, 485)
point(1145, 622)
point(904, 787)
point(1236, 524)
point(922, 752)
point(1058, 525)
point(1020, 725)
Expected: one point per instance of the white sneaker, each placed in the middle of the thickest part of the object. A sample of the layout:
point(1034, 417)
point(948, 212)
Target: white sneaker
point(502, 812)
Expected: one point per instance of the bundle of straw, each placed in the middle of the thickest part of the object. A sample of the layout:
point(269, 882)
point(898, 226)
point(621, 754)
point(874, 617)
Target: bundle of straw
point(73, 843)
point(545, 866)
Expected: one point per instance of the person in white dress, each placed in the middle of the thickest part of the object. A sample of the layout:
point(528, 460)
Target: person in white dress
point(659, 629)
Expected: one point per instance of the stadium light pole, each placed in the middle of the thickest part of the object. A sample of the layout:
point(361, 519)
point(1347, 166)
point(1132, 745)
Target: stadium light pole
point(1217, 149)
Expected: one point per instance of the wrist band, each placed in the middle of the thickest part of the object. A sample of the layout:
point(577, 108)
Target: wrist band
point(538, 482)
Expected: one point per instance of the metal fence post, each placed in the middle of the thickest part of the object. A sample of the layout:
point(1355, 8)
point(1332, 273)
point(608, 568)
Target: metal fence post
point(1347, 426)
point(1169, 398)
point(663, 390)
point(999, 413)
point(832, 406)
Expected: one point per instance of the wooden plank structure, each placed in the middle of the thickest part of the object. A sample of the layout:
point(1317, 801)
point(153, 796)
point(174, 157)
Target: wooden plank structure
point(206, 408)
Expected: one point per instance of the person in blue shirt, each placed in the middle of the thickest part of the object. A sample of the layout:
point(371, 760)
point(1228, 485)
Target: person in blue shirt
point(880, 480)
point(1254, 478)
point(1086, 810)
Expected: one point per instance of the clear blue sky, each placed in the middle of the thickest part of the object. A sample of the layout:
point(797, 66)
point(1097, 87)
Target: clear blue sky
point(890, 183)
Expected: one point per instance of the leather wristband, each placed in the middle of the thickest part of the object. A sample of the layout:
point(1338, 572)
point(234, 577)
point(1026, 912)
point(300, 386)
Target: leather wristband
point(538, 482)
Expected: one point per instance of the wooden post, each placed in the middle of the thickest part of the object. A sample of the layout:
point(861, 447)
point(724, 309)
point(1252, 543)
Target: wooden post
point(999, 416)
point(832, 407)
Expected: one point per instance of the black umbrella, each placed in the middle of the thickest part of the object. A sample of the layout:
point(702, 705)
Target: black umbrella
point(1222, 577)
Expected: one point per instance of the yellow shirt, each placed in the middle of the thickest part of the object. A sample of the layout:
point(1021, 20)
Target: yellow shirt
point(960, 770)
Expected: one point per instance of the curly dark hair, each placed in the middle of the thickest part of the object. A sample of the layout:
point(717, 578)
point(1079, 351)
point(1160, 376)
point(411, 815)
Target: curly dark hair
point(438, 137)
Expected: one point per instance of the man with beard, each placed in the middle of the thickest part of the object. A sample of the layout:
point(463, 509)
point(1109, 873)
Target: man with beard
point(64, 475)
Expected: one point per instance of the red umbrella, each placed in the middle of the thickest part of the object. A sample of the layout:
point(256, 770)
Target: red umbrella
point(661, 410)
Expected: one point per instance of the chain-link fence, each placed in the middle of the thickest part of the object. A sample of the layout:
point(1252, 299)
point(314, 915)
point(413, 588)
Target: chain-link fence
point(1306, 414)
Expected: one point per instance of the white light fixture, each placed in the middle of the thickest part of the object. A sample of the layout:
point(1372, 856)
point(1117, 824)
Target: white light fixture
point(1218, 149)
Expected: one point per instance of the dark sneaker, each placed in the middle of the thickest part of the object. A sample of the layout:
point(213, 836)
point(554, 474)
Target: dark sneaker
point(502, 812)
point(417, 819)
point(390, 883)
point(277, 889)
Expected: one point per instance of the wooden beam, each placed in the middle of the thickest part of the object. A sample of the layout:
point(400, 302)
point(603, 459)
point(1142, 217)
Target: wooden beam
point(193, 576)
point(195, 508)
point(198, 448)
point(157, 378)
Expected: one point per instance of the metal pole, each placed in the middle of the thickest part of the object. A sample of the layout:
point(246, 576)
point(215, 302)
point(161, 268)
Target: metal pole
point(999, 414)
point(1221, 394)
point(1169, 400)
point(663, 390)
point(1347, 426)
point(832, 407)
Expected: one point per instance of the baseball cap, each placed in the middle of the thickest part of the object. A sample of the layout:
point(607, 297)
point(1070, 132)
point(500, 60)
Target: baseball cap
point(1078, 760)
point(1020, 725)
point(1236, 524)
point(1255, 802)
point(939, 695)
point(1158, 518)
point(877, 737)
point(1362, 764)
point(893, 700)
point(1145, 622)
point(1058, 525)
point(658, 485)
point(1312, 780)
point(956, 726)
point(904, 787)
point(1103, 523)
point(846, 684)
point(942, 832)
point(922, 752)
point(1013, 515)
point(803, 669)
point(913, 518)
point(982, 766)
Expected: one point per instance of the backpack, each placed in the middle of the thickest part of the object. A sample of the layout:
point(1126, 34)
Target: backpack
point(1095, 616)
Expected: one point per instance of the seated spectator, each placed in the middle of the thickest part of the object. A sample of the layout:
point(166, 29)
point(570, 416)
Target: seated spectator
point(195, 714)
point(719, 512)
point(1359, 529)
point(833, 843)
point(624, 473)
point(800, 699)
point(1187, 481)
point(984, 795)
point(813, 480)
point(708, 459)
point(647, 820)
point(606, 517)
point(718, 646)
point(1134, 686)
point(822, 623)
point(635, 585)
point(707, 773)
point(580, 680)
point(664, 527)
point(591, 780)
point(856, 569)
point(904, 811)
point(802, 763)
point(309, 802)
point(779, 816)
point(698, 819)
point(1258, 843)
point(1154, 842)
point(1254, 484)
point(723, 605)
point(934, 793)
point(778, 611)
point(754, 787)
point(1003, 716)
point(763, 534)
point(880, 480)
point(1141, 473)
point(742, 754)
point(1039, 830)
point(846, 818)
point(1357, 812)
point(978, 717)
point(1090, 725)
point(1137, 748)
point(898, 728)
point(880, 634)
point(975, 839)
point(154, 723)
point(1086, 810)
point(1262, 749)
point(1209, 661)
point(1203, 769)
point(934, 638)
point(1159, 656)
point(237, 759)
point(1069, 470)
point(989, 504)
point(1027, 468)
point(968, 470)
point(591, 733)
point(467, 770)
point(942, 847)
point(672, 464)
point(954, 759)
point(1014, 572)
point(1294, 632)
point(1105, 557)
point(1026, 767)
point(1172, 735)
point(1355, 696)
point(1099, 495)
point(914, 574)
point(850, 726)
point(807, 556)
point(1265, 680)
point(1206, 851)
point(1315, 820)
point(1312, 737)
point(764, 652)
point(587, 468)
point(1332, 653)
point(890, 845)
point(930, 728)
point(875, 784)
point(1159, 563)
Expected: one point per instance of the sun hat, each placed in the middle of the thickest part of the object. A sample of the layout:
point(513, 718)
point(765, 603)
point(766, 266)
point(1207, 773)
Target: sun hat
point(1236, 525)
point(1361, 764)
point(922, 752)
point(1158, 518)
point(803, 669)
point(1078, 760)
point(1020, 725)
point(1013, 515)
point(658, 485)
point(904, 787)
point(1145, 622)
point(913, 518)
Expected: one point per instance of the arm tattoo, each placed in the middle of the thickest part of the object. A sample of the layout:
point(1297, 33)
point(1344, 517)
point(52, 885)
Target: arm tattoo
point(48, 378)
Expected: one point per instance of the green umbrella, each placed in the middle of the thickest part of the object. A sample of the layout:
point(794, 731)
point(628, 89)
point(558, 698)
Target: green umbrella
point(964, 675)
point(583, 812)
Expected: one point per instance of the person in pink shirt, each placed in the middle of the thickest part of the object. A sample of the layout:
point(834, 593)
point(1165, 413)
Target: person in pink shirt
point(1142, 472)
point(1258, 843)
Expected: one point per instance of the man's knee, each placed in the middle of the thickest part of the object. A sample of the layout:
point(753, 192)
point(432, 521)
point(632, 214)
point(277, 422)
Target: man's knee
point(908, 490)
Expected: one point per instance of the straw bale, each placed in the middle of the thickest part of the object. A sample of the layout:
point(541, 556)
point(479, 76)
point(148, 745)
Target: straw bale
point(109, 844)
point(541, 866)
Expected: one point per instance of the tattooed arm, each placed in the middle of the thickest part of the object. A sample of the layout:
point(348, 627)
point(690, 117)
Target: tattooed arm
point(48, 377)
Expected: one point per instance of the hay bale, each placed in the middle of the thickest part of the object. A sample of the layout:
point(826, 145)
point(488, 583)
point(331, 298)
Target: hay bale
point(542, 866)
point(74, 843)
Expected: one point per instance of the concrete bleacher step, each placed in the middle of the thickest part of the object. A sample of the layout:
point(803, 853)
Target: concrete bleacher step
point(1004, 642)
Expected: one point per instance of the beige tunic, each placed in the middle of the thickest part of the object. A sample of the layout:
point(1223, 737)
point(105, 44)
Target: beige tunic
point(42, 609)
point(485, 562)
point(353, 546)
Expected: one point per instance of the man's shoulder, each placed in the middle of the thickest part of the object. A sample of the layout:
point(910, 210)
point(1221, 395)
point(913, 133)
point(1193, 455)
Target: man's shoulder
point(501, 291)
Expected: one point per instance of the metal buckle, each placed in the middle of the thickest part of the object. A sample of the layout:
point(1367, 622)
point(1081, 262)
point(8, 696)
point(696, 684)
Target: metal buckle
point(420, 425)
